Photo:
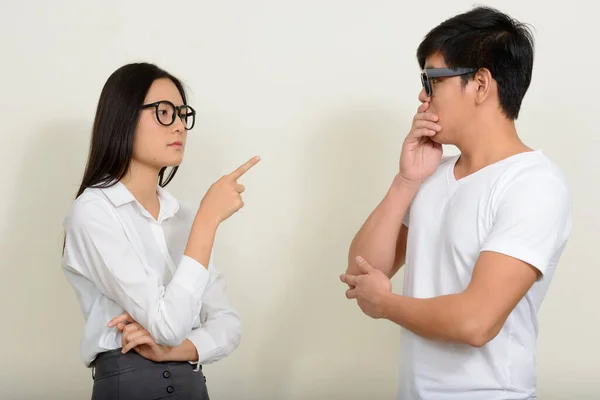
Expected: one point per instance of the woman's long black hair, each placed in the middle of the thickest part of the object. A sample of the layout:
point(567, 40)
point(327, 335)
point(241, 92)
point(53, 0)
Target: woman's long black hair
point(116, 119)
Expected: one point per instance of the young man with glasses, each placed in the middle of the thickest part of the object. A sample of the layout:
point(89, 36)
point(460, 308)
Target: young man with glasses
point(479, 234)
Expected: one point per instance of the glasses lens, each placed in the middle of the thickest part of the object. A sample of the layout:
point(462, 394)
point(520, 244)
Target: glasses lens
point(426, 84)
point(165, 113)
point(188, 117)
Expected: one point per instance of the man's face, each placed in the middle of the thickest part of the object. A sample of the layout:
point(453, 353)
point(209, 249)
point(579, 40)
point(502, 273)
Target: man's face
point(449, 100)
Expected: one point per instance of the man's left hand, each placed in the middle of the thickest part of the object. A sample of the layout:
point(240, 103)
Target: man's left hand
point(370, 289)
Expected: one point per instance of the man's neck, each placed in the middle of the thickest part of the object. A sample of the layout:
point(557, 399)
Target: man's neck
point(487, 142)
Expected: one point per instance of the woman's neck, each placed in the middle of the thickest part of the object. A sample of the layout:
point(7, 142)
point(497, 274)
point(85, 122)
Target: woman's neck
point(141, 181)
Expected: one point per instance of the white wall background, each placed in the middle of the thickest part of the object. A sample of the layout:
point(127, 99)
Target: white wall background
point(324, 91)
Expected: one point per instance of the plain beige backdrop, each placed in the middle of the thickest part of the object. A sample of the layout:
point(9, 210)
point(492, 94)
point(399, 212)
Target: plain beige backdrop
point(324, 91)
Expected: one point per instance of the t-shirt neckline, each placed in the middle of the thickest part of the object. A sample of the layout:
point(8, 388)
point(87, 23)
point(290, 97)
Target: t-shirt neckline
point(452, 181)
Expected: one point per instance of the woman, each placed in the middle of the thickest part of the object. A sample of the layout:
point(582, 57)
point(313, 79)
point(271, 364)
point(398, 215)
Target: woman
point(139, 260)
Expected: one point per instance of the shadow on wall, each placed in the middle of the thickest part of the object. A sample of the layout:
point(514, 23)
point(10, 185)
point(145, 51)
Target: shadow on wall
point(46, 321)
point(348, 161)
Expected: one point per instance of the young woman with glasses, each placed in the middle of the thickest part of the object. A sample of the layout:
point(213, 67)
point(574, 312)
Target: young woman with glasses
point(139, 260)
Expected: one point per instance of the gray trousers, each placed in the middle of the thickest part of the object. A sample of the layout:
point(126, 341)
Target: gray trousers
point(132, 377)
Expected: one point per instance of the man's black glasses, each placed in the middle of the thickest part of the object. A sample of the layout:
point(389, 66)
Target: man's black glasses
point(432, 73)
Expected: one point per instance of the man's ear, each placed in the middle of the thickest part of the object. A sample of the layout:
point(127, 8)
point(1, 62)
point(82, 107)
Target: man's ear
point(483, 83)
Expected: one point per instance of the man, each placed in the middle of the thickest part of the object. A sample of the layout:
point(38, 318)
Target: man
point(480, 234)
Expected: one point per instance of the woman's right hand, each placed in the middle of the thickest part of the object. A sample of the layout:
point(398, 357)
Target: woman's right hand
point(420, 155)
point(223, 198)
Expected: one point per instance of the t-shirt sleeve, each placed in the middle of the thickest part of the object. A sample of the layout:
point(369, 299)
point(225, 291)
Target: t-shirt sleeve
point(406, 218)
point(532, 221)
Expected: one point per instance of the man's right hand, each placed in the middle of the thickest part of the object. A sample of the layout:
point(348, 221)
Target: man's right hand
point(420, 155)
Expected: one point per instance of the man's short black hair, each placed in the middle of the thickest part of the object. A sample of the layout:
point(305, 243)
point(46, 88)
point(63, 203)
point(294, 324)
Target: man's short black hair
point(486, 38)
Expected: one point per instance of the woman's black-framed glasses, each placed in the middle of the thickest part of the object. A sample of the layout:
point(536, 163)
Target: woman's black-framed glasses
point(431, 73)
point(166, 113)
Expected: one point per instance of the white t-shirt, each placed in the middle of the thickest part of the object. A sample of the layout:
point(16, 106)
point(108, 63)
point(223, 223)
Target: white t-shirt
point(520, 207)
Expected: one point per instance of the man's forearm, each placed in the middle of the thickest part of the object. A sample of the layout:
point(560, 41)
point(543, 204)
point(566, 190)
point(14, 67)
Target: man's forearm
point(451, 318)
point(186, 351)
point(376, 240)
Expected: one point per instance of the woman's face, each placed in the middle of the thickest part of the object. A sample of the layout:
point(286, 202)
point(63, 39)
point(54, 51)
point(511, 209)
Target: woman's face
point(155, 144)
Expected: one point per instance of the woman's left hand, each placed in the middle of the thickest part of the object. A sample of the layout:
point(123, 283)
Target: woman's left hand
point(136, 337)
